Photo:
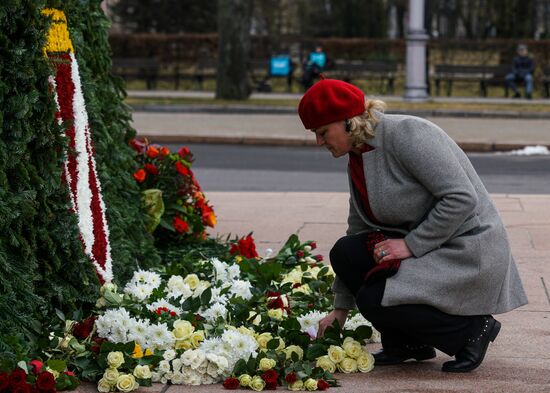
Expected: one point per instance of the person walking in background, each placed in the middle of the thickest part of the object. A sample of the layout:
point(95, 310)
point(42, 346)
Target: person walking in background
point(524, 68)
point(426, 258)
point(313, 66)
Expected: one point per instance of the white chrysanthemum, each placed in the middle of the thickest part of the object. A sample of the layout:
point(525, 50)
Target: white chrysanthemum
point(241, 288)
point(160, 336)
point(220, 270)
point(177, 288)
point(219, 361)
point(217, 297)
point(140, 292)
point(211, 345)
point(310, 319)
point(233, 272)
point(214, 312)
point(139, 331)
point(163, 303)
point(113, 325)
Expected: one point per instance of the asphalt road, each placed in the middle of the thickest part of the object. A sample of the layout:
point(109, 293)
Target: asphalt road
point(266, 168)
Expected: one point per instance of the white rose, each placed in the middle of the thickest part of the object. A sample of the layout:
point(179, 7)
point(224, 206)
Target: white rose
point(126, 383)
point(257, 384)
point(192, 280)
point(155, 377)
point(169, 354)
point(176, 364)
point(326, 364)
point(142, 372)
point(275, 313)
point(164, 366)
point(182, 329)
point(307, 248)
point(196, 338)
point(353, 348)
point(336, 354)
point(115, 359)
point(294, 348)
point(177, 378)
point(296, 386)
point(348, 365)
point(310, 384)
point(365, 362)
point(263, 339)
point(111, 376)
point(103, 386)
point(267, 364)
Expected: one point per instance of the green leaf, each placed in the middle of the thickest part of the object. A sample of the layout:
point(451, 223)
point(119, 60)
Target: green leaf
point(206, 296)
point(60, 314)
point(57, 365)
point(362, 333)
point(315, 351)
point(273, 343)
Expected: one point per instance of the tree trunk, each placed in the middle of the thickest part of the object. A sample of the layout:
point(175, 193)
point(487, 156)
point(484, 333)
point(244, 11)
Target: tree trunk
point(234, 17)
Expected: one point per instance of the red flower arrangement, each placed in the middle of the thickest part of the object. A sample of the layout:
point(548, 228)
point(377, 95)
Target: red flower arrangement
point(270, 377)
point(184, 211)
point(38, 381)
point(322, 384)
point(245, 247)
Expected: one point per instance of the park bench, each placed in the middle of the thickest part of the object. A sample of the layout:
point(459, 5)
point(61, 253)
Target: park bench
point(546, 82)
point(137, 68)
point(384, 72)
point(263, 70)
point(484, 75)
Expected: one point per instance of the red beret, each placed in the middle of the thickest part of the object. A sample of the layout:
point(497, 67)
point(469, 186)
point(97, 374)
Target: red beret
point(330, 100)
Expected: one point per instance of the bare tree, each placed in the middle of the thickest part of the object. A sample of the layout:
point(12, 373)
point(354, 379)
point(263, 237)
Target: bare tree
point(234, 17)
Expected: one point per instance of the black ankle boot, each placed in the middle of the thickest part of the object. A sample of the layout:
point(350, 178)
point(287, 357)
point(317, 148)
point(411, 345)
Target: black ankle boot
point(471, 356)
point(389, 356)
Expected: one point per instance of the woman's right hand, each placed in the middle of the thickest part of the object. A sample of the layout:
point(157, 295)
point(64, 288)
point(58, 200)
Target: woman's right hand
point(339, 314)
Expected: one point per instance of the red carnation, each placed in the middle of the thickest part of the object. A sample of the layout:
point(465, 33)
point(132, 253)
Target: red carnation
point(291, 378)
point(318, 258)
point(231, 383)
point(299, 254)
point(82, 330)
point(152, 152)
point(45, 381)
point(140, 175)
point(244, 247)
point(182, 169)
point(153, 170)
point(313, 245)
point(322, 384)
point(270, 376)
point(4, 381)
point(18, 377)
point(180, 225)
point(36, 366)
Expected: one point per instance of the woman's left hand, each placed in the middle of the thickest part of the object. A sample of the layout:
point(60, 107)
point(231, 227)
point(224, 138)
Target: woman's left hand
point(391, 249)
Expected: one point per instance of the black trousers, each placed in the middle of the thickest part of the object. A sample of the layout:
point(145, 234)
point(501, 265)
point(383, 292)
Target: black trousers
point(409, 325)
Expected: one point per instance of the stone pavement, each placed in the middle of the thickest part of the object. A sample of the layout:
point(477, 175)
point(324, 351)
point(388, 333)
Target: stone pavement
point(517, 362)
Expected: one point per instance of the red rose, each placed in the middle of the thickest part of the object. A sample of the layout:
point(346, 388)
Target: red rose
point(272, 294)
point(182, 169)
point(153, 170)
point(23, 388)
point(138, 145)
point(299, 254)
point(164, 151)
point(97, 344)
point(322, 384)
point(4, 381)
point(70, 373)
point(45, 381)
point(291, 378)
point(152, 152)
point(271, 385)
point(140, 175)
point(313, 245)
point(180, 225)
point(318, 258)
point(276, 303)
point(231, 383)
point(310, 305)
point(36, 366)
point(82, 329)
point(270, 376)
point(18, 377)
point(184, 152)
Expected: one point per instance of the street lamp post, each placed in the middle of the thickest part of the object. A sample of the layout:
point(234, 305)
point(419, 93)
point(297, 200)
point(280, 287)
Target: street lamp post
point(416, 88)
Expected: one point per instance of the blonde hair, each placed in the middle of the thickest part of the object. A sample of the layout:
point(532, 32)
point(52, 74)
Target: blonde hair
point(362, 126)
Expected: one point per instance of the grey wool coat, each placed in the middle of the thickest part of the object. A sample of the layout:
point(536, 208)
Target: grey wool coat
point(420, 183)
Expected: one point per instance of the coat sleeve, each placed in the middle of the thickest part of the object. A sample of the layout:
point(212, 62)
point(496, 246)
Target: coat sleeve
point(425, 152)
